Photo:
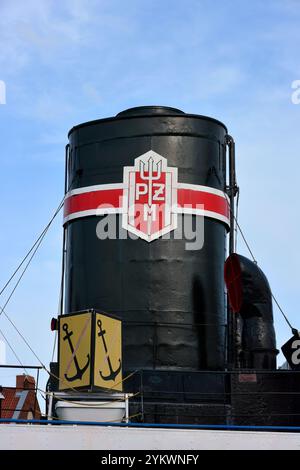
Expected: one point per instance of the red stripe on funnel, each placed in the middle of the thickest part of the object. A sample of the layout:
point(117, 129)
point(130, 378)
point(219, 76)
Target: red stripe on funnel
point(191, 199)
point(212, 202)
point(92, 200)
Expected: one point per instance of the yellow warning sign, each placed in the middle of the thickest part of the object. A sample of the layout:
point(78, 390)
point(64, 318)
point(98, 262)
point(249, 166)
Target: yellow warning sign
point(108, 352)
point(74, 350)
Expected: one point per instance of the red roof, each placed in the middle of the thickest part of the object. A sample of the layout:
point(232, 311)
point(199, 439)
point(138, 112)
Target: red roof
point(20, 402)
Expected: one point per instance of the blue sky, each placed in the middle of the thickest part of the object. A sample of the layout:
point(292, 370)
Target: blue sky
point(71, 61)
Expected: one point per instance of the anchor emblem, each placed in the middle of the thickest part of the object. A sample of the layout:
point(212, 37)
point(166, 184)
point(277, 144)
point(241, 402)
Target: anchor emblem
point(113, 373)
point(80, 371)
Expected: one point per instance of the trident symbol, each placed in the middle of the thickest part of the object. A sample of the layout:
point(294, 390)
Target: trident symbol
point(113, 373)
point(80, 371)
point(150, 177)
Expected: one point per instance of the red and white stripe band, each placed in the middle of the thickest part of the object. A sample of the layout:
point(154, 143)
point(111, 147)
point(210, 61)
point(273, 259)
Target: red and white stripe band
point(108, 199)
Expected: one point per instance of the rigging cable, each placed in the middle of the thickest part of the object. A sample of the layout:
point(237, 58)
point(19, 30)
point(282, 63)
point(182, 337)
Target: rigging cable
point(14, 352)
point(43, 365)
point(237, 216)
point(40, 237)
point(31, 252)
point(23, 338)
point(294, 330)
point(37, 242)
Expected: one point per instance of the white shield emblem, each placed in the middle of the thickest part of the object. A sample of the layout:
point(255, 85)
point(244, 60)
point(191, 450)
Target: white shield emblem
point(150, 197)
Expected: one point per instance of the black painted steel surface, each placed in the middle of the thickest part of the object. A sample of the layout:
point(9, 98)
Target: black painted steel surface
point(250, 297)
point(171, 300)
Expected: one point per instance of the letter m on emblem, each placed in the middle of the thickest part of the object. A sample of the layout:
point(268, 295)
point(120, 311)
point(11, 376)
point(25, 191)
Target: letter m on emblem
point(150, 197)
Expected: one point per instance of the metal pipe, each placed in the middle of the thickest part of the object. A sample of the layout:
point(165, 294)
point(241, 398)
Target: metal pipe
point(13, 366)
point(155, 425)
point(232, 190)
point(61, 303)
point(50, 405)
point(126, 408)
point(36, 390)
point(67, 154)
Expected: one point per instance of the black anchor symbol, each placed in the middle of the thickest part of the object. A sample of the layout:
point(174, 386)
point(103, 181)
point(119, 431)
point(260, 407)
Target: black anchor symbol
point(113, 373)
point(79, 372)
